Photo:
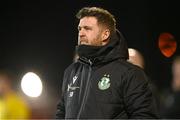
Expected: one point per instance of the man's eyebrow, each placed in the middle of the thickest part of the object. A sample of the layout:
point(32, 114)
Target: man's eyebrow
point(79, 27)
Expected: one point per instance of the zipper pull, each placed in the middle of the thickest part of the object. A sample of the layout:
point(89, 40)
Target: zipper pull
point(90, 62)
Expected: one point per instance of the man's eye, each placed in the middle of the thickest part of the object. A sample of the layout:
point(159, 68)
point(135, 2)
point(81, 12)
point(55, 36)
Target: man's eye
point(87, 28)
point(79, 29)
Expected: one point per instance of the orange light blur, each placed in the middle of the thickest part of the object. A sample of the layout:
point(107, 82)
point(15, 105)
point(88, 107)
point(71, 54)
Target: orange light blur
point(167, 44)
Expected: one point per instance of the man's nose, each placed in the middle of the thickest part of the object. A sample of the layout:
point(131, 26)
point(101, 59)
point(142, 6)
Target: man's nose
point(81, 33)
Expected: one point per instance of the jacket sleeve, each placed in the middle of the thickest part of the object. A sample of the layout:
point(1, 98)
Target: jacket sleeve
point(138, 98)
point(60, 112)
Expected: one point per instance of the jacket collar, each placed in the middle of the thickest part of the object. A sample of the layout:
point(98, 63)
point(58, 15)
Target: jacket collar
point(115, 49)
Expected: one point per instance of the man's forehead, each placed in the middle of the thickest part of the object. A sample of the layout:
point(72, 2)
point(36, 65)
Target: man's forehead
point(88, 21)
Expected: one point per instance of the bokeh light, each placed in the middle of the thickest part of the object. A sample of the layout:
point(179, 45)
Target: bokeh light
point(167, 44)
point(31, 84)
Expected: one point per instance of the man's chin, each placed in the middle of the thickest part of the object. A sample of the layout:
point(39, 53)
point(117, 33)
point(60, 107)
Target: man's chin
point(84, 43)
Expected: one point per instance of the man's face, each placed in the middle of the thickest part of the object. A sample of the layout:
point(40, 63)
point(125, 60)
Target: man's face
point(90, 33)
point(135, 58)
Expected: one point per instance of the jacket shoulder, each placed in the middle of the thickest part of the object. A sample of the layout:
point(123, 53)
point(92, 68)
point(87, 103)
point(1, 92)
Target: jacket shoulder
point(124, 66)
point(129, 72)
point(71, 67)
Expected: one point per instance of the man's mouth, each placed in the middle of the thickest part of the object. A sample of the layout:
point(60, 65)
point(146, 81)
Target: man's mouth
point(83, 41)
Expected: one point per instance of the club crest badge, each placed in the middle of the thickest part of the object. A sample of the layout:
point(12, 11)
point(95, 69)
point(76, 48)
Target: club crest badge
point(104, 83)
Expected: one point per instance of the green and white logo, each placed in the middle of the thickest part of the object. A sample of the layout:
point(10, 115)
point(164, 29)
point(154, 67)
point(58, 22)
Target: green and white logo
point(104, 83)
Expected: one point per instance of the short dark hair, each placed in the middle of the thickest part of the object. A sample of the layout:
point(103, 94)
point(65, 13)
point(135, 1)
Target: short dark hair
point(103, 16)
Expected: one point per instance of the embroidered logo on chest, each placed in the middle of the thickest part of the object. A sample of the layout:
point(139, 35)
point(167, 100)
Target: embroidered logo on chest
point(71, 88)
point(104, 83)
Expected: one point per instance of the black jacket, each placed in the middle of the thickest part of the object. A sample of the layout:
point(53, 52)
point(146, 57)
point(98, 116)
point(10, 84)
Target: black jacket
point(106, 86)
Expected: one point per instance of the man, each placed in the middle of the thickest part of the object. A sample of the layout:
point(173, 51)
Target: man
point(176, 74)
point(171, 105)
point(136, 58)
point(102, 84)
point(12, 106)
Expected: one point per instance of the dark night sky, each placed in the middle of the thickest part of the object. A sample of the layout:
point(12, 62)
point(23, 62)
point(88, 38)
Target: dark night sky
point(40, 35)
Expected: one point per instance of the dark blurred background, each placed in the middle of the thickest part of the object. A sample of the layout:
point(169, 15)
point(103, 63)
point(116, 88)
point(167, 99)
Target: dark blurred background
point(41, 36)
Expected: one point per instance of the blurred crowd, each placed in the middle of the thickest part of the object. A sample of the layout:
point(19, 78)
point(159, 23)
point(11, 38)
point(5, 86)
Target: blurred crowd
point(168, 100)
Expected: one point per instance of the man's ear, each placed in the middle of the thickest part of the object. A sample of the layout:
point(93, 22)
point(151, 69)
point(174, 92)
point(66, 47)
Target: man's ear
point(105, 37)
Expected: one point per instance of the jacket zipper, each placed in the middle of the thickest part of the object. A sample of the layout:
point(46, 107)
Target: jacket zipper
point(86, 90)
